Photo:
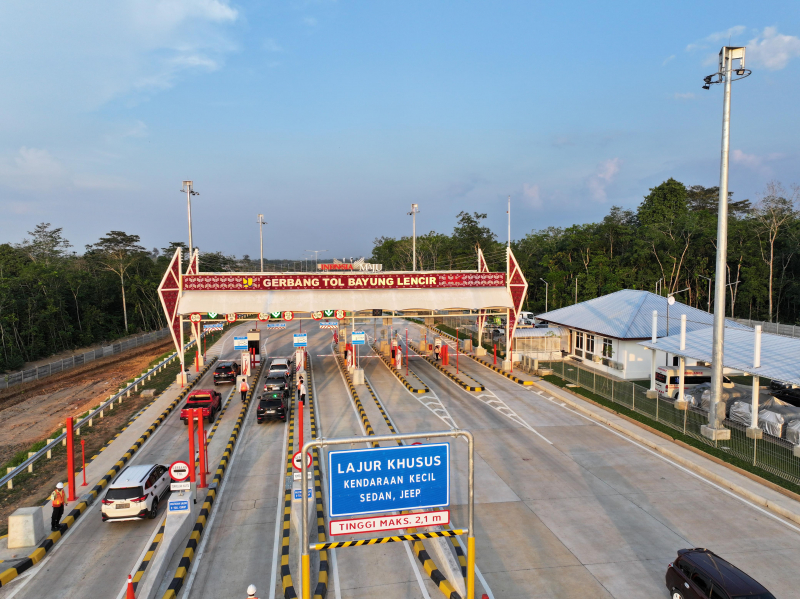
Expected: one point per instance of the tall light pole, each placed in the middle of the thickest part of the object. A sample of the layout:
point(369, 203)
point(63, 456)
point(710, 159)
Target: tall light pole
point(576, 288)
point(187, 189)
point(261, 224)
point(546, 288)
point(716, 412)
point(509, 221)
point(316, 254)
point(413, 215)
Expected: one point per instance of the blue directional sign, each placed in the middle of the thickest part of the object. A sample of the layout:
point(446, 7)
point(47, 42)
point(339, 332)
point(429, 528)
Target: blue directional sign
point(275, 325)
point(298, 493)
point(178, 506)
point(240, 343)
point(387, 479)
point(301, 340)
point(358, 337)
point(213, 327)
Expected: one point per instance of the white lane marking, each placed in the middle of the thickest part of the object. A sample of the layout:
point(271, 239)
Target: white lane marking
point(415, 567)
point(217, 500)
point(138, 563)
point(273, 576)
point(334, 564)
point(668, 461)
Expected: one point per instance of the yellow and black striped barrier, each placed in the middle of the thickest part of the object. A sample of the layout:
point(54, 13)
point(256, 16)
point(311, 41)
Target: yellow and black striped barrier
point(321, 590)
point(46, 545)
point(450, 375)
point(286, 531)
point(149, 555)
point(399, 376)
point(197, 532)
point(359, 406)
point(395, 539)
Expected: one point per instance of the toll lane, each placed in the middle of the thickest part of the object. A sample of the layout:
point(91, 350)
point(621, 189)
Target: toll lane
point(96, 557)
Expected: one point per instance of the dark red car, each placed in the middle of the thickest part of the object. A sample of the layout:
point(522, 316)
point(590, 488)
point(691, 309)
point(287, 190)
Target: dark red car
point(702, 574)
point(207, 399)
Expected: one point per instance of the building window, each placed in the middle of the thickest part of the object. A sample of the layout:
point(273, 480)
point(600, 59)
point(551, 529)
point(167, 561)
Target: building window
point(608, 349)
point(578, 340)
point(675, 360)
point(589, 343)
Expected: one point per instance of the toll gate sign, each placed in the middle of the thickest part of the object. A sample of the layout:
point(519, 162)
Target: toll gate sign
point(386, 479)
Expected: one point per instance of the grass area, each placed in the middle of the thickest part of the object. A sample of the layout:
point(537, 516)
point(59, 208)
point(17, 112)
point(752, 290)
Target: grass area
point(677, 435)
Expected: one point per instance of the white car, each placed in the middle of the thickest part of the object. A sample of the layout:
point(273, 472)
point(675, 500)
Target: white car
point(135, 493)
point(280, 366)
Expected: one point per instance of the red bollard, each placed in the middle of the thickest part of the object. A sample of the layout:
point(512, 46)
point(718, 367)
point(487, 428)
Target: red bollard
point(83, 461)
point(70, 462)
point(205, 445)
point(192, 473)
point(129, 592)
point(201, 450)
point(457, 351)
point(495, 354)
point(196, 361)
point(300, 424)
point(406, 352)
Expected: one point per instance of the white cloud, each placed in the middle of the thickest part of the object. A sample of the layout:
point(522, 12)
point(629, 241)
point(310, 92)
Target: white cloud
point(310, 21)
point(754, 162)
point(138, 129)
point(532, 195)
point(605, 175)
point(270, 45)
point(667, 59)
point(716, 37)
point(32, 169)
point(684, 96)
point(772, 50)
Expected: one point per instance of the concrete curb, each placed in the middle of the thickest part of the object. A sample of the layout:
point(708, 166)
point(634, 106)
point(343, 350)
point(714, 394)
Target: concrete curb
point(400, 377)
point(149, 555)
point(286, 573)
point(321, 590)
point(696, 468)
point(86, 500)
point(197, 532)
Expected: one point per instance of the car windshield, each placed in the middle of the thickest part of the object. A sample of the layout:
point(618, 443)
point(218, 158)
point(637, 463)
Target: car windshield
point(197, 404)
point(124, 493)
point(269, 403)
point(224, 369)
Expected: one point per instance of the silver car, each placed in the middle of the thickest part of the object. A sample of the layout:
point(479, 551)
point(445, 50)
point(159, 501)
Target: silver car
point(136, 493)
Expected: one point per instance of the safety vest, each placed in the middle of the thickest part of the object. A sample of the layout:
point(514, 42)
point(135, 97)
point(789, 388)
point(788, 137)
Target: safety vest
point(244, 388)
point(58, 498)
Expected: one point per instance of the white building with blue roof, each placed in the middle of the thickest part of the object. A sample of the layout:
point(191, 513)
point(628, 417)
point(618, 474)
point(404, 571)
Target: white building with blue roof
point(604, 333)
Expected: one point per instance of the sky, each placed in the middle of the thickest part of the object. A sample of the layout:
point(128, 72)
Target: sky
point(332, 117)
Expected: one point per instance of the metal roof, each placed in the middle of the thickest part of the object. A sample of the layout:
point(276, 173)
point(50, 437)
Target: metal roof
point(628, 314)
point(780, 356)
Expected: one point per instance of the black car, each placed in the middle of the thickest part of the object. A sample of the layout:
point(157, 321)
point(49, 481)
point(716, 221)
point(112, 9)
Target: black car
point(700, 573)
point(271, 405)
point(277, 382)
point(226, 372)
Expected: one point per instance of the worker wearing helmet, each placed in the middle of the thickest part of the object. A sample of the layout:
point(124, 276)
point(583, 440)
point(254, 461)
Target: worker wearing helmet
point(58, 507)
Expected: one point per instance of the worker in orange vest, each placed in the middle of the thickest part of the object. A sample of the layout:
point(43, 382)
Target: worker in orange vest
point(244, 388)
point(58, 507)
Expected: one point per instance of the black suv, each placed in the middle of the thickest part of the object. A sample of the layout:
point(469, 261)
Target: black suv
point(700, 574)
point(277, 383)
point(226, 372)
point(271, 405)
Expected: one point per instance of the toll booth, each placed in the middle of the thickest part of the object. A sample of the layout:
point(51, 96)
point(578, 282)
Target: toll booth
point(254, 346)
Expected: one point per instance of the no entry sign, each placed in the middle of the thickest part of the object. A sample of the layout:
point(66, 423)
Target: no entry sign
point(179, 471)
point(298, 464)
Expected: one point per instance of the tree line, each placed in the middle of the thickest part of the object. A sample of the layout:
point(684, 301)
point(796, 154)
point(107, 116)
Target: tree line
point(668, 242)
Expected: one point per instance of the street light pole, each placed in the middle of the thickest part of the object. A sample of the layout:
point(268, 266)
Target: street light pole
point(716, 413)
point(187, 189)
point(261, 224)
point(546, 288)
point(709, 291)
point(413, 214)
point(576, 288)
point(316, 254)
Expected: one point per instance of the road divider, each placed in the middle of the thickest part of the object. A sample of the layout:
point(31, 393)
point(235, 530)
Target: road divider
point(149, 555)
point(419, 536)
point(399, 375)
point(39, 553)
point(456, 378)
point(321, 590)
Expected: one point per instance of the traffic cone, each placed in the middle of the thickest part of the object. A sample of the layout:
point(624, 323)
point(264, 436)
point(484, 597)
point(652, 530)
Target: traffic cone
point(129, 594)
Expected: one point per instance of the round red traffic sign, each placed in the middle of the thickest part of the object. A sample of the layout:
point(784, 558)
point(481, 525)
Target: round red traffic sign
point(231, 317)
point(316, 315)
point(179, 471)
point(296, 461)
point(288, 315)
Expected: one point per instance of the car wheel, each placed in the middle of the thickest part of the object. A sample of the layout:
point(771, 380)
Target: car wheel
point(153, 510)
point(676, 594)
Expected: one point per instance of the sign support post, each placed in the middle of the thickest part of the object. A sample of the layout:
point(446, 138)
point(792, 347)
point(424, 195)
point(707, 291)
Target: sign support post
point(305, 560)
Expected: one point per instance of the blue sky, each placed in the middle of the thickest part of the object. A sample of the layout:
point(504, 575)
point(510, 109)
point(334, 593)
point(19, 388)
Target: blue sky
point(332, 117)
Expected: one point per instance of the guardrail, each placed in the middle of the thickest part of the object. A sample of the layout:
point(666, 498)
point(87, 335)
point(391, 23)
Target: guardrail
point(38, 372)
point(787, 330)
point(52, 443)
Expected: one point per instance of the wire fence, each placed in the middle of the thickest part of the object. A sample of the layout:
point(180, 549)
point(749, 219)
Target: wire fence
point(39, 372)
point(776, 328)
point(773, 454)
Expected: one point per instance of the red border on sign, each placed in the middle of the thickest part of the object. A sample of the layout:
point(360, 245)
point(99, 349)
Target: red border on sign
point(188, 471)
point(410, 521)
point(310, 461)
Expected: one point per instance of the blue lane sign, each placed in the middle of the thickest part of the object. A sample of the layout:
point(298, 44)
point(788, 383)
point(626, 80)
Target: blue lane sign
point(178, 506)
point(358, 337)
point(298, 493)
point(387, 479)
point(240, 343)
point(301, 340)
point(276, 325)
point(213, 327)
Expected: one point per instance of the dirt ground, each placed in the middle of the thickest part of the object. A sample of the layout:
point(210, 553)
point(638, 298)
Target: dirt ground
point(29, 413)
